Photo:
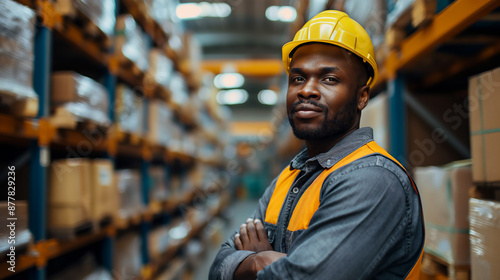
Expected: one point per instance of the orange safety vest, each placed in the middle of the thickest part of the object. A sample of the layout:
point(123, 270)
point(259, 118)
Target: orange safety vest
point(309, 201)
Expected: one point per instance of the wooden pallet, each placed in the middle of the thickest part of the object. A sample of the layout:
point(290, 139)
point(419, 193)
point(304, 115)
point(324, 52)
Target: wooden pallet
point(434, 268)
point(419, 14)
point(25, 107)
point(64, 119)
point(71, 233)
point(72, 15)
point(488, 191)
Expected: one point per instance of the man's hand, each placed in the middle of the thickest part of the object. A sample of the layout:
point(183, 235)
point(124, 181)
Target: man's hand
point(252, 237)
point(250, 266)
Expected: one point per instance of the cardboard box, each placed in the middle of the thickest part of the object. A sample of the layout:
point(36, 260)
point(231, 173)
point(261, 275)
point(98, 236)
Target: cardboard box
point(160, 120)
point(484, 239)
point(445, 199)
point(484, 99)
point(69, 195)
point(129, 110)
point(102, 190)
point(375, 116)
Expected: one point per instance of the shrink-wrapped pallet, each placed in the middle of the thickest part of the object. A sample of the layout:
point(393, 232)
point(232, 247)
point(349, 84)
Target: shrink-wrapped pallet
point(17, 31)
point(69, 193)
point(179, 89)
point(484, 239)
point(99, 12)
point(131, 42)
point(129, 110)
point(127, 261)
point(79, 97)
point(130, 194)
point(160, 67)
point(158, 242)
point(445, 199)
point(160, 122)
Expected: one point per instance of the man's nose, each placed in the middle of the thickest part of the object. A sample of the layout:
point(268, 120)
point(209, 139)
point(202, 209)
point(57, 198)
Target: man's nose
point(309, 90)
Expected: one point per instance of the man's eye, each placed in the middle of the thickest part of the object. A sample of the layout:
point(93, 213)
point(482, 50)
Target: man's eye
point(331, 79)
point(297, 79)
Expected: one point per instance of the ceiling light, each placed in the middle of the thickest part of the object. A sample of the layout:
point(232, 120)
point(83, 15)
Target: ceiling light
point(287, 14)
point(267, 97)
point(203, 9)
point(232, 96)
point(229, 80)
point(284, 13)
point(272, 13)
point(188, 11)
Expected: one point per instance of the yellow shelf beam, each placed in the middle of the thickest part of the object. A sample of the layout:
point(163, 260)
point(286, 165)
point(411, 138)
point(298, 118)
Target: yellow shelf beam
point(247, 67)
point(445, 25)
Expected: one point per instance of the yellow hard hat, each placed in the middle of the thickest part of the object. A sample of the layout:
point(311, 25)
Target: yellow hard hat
point(336, 28)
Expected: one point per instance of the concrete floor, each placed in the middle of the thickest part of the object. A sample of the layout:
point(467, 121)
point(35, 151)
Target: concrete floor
point(237, 213)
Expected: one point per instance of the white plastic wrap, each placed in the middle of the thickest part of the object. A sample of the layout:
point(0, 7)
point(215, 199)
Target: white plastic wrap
point(179, 89)
point(129, 110)
point(127, 257)
point(371, 15)
point(100, 12)
point(85, 98)
point(484, 239)
point(158, 242)
point(163, 12)
point(158, 189)
point(160, 67)
point(160, 122)
point(400, 8)
point(131, 41)
point(129, 188)
point(17, 31)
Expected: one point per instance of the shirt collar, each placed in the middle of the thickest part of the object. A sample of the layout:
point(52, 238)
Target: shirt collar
point(328, 159)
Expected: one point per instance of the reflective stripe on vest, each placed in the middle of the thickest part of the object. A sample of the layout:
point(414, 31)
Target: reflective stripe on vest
point(309, 201)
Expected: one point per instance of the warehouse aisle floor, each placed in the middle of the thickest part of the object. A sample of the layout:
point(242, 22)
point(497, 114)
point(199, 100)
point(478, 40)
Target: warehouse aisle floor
point(237, 213)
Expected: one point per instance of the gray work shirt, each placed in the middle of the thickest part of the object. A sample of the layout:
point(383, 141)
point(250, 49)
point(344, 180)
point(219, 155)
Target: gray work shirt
point(368, 224)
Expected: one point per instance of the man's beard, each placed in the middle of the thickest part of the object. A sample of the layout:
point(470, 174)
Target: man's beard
point(330, 128)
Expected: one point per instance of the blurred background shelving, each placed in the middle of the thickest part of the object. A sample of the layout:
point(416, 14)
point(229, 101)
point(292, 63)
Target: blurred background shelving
point(137, 128)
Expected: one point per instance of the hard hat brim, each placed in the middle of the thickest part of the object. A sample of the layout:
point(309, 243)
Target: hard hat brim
point(289, 47)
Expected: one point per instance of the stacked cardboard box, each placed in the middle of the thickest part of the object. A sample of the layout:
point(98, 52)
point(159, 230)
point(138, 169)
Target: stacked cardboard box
point(158, 242)
point(484, 99)
point(484, 239)
point(79, 96)
point(69, 195)
point(375, 116)
point(445, 194)
point(160, 67)
point(17, 31)
point(81, 190)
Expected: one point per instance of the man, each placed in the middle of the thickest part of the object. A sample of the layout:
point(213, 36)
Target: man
point(344, 208)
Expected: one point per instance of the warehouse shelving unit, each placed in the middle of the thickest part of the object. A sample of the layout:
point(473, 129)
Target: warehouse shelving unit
point(44, 138)
point(410, 63)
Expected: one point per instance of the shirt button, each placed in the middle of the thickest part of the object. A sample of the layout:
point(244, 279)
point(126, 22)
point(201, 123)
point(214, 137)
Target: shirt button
point(328, 162)
point(295, 190)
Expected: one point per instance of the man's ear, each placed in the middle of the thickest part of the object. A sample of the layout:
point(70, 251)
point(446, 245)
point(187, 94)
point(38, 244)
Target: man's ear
point(363, 97)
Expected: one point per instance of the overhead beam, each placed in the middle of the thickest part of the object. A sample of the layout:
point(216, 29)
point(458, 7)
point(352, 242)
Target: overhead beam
point(210, 39)
point(445, 25)
point(249, 67)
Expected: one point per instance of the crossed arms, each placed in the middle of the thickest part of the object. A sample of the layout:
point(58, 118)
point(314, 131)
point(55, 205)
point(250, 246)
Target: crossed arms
point(253, 237)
